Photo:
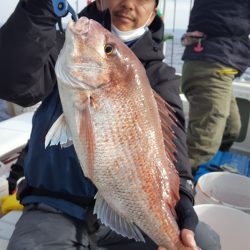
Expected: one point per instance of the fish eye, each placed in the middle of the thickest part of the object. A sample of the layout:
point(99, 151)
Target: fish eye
point(109, 49)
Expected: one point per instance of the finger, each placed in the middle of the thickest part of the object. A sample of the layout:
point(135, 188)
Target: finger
point(187, 237)
point(162, 248)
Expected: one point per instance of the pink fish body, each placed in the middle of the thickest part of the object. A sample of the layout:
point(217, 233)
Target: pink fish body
point(111, 115)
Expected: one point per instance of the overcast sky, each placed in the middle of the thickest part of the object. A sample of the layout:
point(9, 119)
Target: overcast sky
point(182, 11)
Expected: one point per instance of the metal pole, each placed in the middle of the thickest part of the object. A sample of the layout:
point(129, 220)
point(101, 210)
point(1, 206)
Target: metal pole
point(190, 8)
point(164, 8)
point(172, 49)
point(191, 4)
point(77, 7)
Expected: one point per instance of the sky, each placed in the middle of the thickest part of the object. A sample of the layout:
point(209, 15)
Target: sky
point(181, 20)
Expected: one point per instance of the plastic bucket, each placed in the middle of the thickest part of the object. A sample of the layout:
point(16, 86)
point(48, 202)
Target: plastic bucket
point(232, 225)
point(4, 188)
point(224, 188)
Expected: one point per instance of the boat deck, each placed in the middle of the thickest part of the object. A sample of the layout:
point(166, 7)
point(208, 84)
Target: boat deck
point(7, 225)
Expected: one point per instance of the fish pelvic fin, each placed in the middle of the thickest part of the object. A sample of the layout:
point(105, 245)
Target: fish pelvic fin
point(59, 133)
point(117, 223)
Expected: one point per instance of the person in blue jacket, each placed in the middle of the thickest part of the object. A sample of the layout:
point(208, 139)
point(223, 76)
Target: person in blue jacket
point(58, 200)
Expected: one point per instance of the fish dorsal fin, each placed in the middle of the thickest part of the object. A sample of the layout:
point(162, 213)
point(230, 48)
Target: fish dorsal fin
point(168, 121)
point(59, 133)
point(116, 222)
point(85, 130)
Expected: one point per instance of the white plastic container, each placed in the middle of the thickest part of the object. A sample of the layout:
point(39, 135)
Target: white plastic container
point(3, 244)
point(224, 188)
point(232, 225)
point(4, 188)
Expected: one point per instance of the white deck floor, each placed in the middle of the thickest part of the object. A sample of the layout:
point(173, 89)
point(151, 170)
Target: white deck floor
point(7, 225)
point(14, 134)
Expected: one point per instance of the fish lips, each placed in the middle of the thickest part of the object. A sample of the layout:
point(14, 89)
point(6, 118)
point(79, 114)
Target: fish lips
point(80, 27)
point(86, 81)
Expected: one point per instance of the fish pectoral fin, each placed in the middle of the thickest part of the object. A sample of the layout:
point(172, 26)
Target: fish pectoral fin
point(85, 131)
point(117, 223)
point(59, 133)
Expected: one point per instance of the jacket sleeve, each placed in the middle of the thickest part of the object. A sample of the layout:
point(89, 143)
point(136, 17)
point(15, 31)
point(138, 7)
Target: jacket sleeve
point(167, 84)
point(28, 53)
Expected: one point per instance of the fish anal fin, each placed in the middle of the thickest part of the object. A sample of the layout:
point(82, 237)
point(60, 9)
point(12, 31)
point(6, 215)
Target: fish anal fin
point(59, 133)
point(117, 223)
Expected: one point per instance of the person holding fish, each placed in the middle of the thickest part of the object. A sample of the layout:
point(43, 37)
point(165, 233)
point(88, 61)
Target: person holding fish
point(126, 182)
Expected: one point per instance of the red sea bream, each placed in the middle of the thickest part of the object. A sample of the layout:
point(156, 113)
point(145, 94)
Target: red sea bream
point(124, 144)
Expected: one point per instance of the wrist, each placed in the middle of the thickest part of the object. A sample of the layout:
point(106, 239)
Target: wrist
point(187, 187)
point(187, 218)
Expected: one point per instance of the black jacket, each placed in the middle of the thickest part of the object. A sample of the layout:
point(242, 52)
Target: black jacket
point(226, 24)
point(29, 48)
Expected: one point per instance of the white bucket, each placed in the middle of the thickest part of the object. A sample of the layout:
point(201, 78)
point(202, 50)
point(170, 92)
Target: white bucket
point(232, 225)
point(224, 188)
point(4, 188)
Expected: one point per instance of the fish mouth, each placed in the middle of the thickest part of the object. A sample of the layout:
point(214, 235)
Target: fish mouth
point(96, 69)
point(80, 73)
point(80, 27)
point(71, 76)
point(78, 83)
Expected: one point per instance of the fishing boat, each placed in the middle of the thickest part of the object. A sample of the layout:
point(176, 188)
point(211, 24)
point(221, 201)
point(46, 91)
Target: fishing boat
point(15, 131)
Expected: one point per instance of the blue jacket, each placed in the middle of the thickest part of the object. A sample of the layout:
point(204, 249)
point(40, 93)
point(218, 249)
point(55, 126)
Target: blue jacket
point(54, 168)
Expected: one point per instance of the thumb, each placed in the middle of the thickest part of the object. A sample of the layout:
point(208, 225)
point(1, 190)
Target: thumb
point(187, 237)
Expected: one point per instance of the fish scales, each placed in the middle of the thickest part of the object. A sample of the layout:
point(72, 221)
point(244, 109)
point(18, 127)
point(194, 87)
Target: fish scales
point(111, 115)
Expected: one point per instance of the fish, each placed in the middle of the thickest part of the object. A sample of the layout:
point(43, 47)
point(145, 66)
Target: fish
point(122, 132)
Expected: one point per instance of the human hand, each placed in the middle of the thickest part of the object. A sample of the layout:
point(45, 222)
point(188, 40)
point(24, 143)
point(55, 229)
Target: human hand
point(187, 238)
point(187, 220)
